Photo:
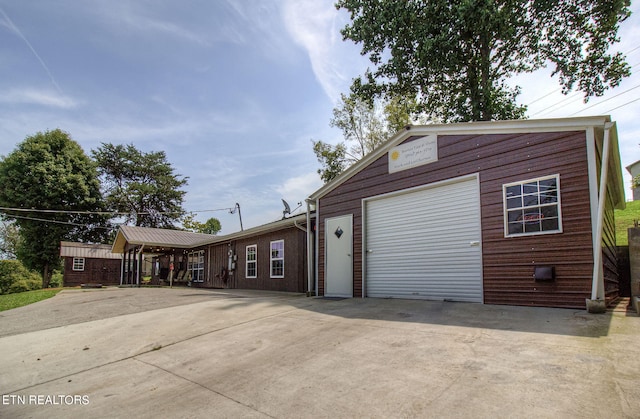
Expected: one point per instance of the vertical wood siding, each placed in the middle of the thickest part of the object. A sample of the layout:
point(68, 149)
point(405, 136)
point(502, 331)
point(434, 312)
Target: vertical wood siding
point(295, 255)
point(508, 263)
point(96, 271)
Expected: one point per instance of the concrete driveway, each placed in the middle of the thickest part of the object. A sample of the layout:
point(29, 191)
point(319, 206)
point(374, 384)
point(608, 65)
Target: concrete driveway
point(188, 353)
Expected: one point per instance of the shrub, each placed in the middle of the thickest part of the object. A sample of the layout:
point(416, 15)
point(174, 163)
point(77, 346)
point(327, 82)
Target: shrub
point(14, 277)
point(56, 279)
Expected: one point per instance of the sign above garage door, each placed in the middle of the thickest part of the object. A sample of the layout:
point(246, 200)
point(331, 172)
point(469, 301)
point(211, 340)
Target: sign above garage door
point(415, 153)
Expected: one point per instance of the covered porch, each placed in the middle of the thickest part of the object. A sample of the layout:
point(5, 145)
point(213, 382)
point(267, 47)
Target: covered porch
point(168, 257)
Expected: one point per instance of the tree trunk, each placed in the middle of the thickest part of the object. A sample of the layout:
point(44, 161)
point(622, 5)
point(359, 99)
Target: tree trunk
point(46, 276)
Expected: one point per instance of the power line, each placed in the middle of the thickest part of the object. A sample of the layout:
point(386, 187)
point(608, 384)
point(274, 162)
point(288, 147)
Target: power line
point(60, 222)
point(114, 213)
point(601, 102)
point(623, 105)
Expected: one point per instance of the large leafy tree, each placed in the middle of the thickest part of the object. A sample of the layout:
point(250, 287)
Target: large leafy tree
point(365, 124)
point(50, 188)
point(141, 186)
point(455, 57)
point(211, 226)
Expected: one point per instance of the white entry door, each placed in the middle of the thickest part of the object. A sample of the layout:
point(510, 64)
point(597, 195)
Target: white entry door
point(339, 256)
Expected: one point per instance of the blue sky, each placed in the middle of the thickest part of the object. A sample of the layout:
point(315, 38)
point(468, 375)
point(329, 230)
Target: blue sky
point(232, 91)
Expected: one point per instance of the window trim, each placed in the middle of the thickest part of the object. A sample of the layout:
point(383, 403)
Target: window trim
point(558, 204)
point(195, 262)
point(254, 261)
point(272, 259)
point(79, 266)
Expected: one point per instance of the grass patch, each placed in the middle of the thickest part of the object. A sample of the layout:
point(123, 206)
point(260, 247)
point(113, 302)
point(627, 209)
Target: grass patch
point(9, 301)
point(624, 220)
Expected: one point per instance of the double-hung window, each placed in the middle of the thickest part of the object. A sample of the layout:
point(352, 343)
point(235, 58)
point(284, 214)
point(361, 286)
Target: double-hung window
point(252, 261)
point(532, 207)
point(78, 264)
point(277, 259)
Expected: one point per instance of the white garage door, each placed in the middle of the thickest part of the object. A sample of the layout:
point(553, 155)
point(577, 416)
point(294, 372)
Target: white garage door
point(425, 243)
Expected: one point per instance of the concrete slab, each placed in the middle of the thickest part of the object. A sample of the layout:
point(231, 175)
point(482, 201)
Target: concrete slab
point(252, 354)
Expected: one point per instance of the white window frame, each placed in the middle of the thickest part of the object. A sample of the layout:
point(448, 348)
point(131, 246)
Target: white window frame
point(195, 265)
point(78, 264)
point(539, 206)
point(253, 261)
point(276, 258)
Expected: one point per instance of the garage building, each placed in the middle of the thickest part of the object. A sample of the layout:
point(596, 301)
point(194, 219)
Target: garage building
point(503, 212)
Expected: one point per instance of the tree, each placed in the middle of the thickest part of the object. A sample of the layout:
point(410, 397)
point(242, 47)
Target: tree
point(143, 186)
point(9, 238)
point(364, 125)
point(456, 56)
point(211, 226)
point(50, 189)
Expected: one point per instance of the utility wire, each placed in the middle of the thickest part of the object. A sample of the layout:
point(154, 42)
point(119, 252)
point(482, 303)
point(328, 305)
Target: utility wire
point(623, 105)
point(60, 222)
point(601, 102)
point(115, 213)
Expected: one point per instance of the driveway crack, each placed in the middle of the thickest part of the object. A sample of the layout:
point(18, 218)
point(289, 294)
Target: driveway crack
point(182, 377)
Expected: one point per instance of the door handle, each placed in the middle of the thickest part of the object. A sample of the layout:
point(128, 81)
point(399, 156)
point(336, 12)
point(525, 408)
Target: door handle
point(474, 243)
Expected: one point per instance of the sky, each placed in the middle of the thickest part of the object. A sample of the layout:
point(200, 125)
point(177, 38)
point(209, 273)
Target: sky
point(233, 91)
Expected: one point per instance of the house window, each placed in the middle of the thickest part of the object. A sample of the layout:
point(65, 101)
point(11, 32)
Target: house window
point(277, 259)
point(252, 261)
point(532, 207)
point(195, 266)
point(78, 264)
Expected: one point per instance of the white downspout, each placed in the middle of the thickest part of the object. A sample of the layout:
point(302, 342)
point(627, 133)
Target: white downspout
point(597, 286)
point(122, 267)
point(139, 267)
point(316, 240)
point(310, 247)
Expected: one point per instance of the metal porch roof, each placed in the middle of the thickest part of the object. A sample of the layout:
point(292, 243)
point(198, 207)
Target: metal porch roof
point(157, 237)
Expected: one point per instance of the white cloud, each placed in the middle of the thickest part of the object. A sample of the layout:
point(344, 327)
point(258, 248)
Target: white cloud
point(299, 187)
point(47, 98)
point(316, 26)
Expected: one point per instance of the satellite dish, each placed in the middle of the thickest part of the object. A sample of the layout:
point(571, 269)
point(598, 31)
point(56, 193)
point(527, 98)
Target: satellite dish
point(287, 209)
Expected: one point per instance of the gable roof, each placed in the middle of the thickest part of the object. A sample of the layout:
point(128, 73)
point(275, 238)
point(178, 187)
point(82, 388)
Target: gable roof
point(157, 237)
point(84, 250)
point(634, 168)
point(464, 128)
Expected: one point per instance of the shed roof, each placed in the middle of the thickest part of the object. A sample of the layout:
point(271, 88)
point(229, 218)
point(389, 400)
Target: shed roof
point(157, 237)
point(85, 250)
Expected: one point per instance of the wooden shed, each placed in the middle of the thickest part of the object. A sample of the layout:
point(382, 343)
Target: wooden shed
point(505, 212)
point(89, 264)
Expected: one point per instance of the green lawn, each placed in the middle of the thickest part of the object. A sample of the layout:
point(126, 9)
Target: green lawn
point(9, 301)
point(624, 220)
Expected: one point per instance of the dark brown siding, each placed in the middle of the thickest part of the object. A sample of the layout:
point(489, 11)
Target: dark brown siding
point(610, 253)
point(96, 271)
point(215, 260)
point(294, 280)
point(294, 262)
point(508, 263)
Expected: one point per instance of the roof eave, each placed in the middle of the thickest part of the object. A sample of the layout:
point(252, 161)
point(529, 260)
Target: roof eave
point(480, 127)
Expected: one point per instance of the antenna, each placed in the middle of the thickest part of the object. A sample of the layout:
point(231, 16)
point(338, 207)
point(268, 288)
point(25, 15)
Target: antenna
point(287, 209)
